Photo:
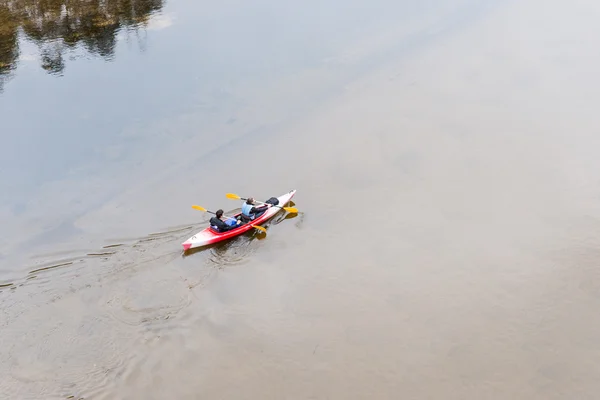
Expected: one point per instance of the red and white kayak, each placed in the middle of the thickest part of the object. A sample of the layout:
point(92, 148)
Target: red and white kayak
point(208, 236)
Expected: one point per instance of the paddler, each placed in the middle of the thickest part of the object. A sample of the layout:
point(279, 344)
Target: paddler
point(250, 211)
point(219, 225)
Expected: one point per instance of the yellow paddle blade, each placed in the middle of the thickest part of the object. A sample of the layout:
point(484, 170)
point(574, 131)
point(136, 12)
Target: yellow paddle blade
point(292, 210)
point(195, 207)
point(233, 196)
point(260, 228)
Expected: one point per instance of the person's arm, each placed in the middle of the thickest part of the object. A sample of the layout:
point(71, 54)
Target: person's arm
point(259, 209)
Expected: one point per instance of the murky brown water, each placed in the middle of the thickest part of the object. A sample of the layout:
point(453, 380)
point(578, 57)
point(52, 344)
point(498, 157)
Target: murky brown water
point(445, 158)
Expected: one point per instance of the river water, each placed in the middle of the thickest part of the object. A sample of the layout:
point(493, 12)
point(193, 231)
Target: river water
point(445, 157)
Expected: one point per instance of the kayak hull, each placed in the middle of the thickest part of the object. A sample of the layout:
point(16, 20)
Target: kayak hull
point(208, 236)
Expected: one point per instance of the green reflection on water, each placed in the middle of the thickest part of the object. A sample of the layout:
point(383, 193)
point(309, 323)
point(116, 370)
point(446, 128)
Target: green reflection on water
point(57, 26)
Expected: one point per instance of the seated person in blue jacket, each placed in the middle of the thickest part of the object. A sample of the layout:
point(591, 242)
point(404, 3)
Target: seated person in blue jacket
point(249, 211)
point(223, 226)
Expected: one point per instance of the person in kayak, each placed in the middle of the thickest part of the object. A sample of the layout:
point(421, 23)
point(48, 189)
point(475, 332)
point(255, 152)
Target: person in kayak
point(249, 211)
point(219, 225)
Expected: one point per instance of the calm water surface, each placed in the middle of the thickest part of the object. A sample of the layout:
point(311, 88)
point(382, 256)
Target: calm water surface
point(445, 157)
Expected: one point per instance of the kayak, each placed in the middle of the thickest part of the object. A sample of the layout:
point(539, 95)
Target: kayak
point(209, 236)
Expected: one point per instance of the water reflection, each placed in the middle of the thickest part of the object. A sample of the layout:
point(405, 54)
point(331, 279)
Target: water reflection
point(57, 26)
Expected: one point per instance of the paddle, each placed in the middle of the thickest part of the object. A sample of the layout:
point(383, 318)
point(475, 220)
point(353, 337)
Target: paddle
point(236, 197)
point(195, 207)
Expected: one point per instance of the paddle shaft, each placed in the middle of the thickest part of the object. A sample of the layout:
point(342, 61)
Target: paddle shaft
point(225, 216)
point(268, 204)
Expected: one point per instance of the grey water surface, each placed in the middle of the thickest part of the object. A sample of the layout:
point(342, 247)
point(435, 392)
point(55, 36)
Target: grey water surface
point(445, 157)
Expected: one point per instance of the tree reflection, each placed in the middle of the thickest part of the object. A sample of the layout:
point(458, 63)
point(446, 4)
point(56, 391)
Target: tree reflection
point(59, 25)
point(9, 45)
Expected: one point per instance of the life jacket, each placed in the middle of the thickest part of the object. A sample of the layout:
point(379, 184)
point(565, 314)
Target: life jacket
point(246, 210)
point(212, 224)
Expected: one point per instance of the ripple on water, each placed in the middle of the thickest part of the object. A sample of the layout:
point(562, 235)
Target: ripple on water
point(115, 304)
point(147, 298)
point(52, 356)
point(77, 336)
point(233, 252)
